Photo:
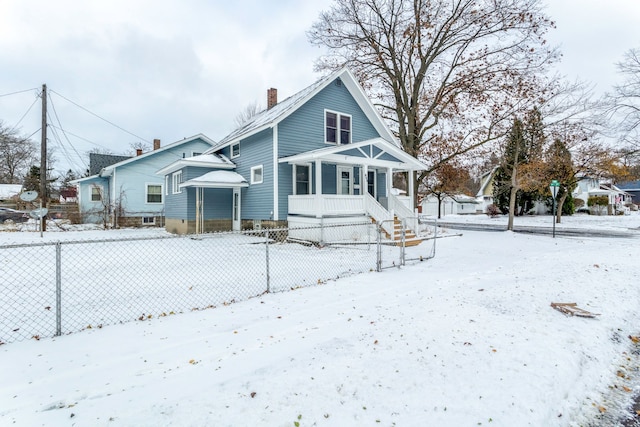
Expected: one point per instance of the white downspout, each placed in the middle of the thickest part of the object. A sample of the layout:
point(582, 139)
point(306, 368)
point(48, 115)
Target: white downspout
point(276, 215)
point(318, 197)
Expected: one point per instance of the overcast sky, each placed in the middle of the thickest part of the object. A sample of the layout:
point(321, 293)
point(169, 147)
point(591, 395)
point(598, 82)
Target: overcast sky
point(167, 69)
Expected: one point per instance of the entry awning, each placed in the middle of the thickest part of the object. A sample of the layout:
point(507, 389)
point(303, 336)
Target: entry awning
point(217, 179)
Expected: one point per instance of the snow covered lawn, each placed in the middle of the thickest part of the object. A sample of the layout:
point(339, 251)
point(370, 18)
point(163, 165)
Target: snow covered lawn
point(467, 338)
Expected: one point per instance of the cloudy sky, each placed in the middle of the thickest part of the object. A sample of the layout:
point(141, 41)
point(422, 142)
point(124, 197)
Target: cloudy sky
point(167, 69)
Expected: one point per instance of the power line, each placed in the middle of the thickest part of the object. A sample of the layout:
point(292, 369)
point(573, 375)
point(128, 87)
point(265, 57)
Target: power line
point(55, 113)
point(96, 115)
point(20, 91)
point(24, 115)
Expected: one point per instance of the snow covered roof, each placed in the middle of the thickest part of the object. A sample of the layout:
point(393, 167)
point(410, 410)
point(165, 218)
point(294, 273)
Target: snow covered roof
point(218, 161)
point(108, 171)
point(217, 179)
point(272, 116)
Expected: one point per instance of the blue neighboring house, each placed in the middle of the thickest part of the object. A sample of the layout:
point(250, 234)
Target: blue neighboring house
point(129, 192)
point(321, 156)
point(633, 188)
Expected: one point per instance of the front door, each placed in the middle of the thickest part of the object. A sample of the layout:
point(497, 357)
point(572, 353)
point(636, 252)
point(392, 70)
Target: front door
point(345, 180)
point(236, 210)
point(371, 183)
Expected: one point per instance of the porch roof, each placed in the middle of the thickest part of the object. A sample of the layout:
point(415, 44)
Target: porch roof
point(367, 156)
point(217, 179)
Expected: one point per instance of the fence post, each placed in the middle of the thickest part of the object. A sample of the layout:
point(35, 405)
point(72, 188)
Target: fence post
point(58, 289)
point(266, 241)
point(379, 250)
point(403, 241)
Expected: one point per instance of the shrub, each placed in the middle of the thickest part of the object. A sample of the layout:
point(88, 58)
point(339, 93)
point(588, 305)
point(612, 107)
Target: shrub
point(493, 211)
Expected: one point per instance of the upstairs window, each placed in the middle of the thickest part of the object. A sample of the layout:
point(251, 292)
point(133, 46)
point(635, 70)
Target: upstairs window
point(337, 128)
point(235, 150)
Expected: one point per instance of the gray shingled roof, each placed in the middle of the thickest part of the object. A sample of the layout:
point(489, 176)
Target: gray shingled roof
point(99, 161)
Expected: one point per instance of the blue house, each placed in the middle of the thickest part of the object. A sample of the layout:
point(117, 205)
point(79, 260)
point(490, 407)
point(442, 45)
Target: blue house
point(321, 156)
point(129, 192)
point(632, 188)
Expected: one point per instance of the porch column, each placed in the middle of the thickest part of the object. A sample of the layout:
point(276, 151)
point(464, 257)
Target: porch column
point(389, 181)
point(318, 196)
point(364, 185)
point(411, 179)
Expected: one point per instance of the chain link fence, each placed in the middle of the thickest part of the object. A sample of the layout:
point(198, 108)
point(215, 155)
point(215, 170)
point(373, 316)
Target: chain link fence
point(49, 289)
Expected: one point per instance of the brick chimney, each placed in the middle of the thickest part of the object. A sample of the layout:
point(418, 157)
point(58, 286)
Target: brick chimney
point(138, 151)
point(156, 144)
point(272, 97)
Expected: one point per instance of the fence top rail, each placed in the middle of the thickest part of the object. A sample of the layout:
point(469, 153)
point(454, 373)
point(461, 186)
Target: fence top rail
point(249, 232)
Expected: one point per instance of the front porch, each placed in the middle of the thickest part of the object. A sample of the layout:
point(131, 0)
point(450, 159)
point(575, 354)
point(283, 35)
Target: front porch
point(309, 213)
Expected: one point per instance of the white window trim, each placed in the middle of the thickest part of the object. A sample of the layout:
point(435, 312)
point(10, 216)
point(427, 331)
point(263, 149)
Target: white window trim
point(231, 150)
point(100, 189)
point(146, 193)
point(338, 129)
point(152, 222)
point(176, 180)
point(166, 185)
point(255, 168)
point(295, 178)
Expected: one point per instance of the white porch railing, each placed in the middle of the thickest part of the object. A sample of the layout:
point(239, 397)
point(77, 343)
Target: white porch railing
point(327, 204)
point(400, 206)
point(380, 214)
point(345, 205)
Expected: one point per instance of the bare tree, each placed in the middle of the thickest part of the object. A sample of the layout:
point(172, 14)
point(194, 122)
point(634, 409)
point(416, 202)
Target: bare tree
point(144, 147)
point(448, 74)
point(627, 99)
point(448, 180)
point(247, 113)
point(17, 153)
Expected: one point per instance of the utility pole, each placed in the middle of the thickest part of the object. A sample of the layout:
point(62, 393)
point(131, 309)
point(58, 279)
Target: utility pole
point(43, 159)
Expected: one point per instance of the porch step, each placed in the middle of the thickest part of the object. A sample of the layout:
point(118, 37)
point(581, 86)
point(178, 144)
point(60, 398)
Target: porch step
point(410, 238)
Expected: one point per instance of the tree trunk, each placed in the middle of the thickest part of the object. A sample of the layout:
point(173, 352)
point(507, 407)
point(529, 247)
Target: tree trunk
point(512, 206)
point(559, 207)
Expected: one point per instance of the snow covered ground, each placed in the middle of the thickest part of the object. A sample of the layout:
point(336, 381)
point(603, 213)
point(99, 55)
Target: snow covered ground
point(467, 338)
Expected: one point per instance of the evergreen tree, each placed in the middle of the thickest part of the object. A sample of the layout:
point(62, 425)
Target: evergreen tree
point(32, 182)
point(560, 167)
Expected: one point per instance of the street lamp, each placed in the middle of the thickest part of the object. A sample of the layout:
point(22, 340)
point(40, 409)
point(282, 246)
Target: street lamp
point(554, 192)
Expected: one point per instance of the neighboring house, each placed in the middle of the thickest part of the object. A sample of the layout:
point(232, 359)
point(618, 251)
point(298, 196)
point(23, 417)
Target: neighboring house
point(68, 195)
point(10, 192)
point(633, 189)
point(589, 186)
point(460, 204)
point(484, 197)
point(129, 192)
point(321, 156)
point(98, 161)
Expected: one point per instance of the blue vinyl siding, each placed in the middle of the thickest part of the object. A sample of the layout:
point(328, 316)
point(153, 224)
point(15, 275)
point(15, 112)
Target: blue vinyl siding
point(304, 129)
point(257, 199)
point(217, 203)
point(92, 211)
point(131, 179)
